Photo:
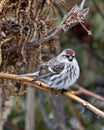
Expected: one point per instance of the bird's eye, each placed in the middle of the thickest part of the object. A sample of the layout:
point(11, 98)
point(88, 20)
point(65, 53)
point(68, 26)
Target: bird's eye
point(73, 56)
point(67, 56)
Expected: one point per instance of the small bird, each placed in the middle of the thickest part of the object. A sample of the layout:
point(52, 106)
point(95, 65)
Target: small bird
point(60, 72)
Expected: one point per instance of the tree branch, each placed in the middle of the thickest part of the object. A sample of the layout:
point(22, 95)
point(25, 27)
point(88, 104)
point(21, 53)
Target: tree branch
point(44, 87)
point(75, 15)
point(89, 93)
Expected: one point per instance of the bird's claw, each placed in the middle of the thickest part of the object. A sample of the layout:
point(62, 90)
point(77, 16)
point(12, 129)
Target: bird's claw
point(63, 90)
point(34, 80)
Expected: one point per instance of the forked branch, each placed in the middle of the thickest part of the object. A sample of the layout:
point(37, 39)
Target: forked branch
point(76, 15)
point(44, 87)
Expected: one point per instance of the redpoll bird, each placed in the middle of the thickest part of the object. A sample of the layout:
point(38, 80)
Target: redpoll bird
point(60, 72)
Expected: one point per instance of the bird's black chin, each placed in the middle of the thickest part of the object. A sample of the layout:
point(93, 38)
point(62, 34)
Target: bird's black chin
point(70, 59)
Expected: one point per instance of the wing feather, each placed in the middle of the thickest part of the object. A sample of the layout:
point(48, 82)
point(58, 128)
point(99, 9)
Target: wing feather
point(46, 71)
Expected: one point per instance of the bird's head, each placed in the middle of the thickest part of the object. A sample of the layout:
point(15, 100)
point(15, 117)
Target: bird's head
point(68, 54)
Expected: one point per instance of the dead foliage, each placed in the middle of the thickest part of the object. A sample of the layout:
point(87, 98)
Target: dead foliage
point(22, 21)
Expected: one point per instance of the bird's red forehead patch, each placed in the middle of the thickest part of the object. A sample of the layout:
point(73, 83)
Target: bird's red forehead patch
point(70, 52)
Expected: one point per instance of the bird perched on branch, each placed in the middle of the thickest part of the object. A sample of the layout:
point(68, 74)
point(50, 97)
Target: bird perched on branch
point(60, 72)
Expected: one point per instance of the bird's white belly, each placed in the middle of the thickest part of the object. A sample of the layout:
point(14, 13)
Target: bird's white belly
point(65, 79)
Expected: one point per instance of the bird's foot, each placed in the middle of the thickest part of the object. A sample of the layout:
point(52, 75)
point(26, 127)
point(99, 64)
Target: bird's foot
point(64, 90)
point(56, 91)
point(36, 79)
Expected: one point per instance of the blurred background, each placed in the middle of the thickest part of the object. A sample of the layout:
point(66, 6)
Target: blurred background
point(22, 21)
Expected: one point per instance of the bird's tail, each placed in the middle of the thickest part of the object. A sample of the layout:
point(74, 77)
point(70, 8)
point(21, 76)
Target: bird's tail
point(29, 75)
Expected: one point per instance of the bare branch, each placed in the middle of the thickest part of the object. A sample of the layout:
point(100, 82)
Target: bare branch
point(76, 14)
point(98, 9)
point(44, 87)
point(89, 93)
point(2, 3)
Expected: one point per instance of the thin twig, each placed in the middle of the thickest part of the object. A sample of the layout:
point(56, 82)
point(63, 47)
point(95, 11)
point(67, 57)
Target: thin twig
point(89, 93)
point(75, 15)
point(44, 87)
point(2, 3)
point(63, 4)
point(98, 9)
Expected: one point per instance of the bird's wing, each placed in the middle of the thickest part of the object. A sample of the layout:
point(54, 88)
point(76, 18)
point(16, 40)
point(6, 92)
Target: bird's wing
point(58, 68)
point(46, 70)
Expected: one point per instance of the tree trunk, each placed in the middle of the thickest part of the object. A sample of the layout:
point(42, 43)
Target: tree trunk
point(30, 110)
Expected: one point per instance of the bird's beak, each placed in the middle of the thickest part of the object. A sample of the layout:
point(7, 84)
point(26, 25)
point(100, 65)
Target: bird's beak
point(71, 58)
